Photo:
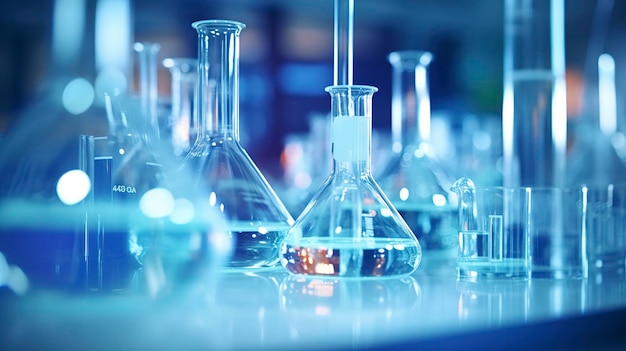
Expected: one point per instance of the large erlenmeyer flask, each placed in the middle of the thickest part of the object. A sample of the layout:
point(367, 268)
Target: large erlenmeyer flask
point(414, 179)
point(256, 217)
point(350, 228)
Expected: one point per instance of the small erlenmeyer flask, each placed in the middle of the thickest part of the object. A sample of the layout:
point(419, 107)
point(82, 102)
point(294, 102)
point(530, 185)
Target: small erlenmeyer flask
point(414, 179)
point(256, 218)
point(350, 228)
point(182, 124)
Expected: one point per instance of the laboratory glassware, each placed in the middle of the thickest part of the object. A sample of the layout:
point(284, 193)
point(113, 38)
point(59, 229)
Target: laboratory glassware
point(534, 111)
point(522, 232)
point(606, 230)
point(147, 54)
point(492, 241)
point(159, 219)
point(415, 179)
point(350, 228)
point(182, 123)
point(256, 218)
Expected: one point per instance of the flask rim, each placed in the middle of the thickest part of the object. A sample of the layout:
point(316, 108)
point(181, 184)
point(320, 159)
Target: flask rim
point(347, 87)
point(423, 58)
point(219, 23)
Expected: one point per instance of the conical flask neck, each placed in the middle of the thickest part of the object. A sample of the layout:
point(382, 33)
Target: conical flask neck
point(410, 112)
point(351, 128)
point(218, 77)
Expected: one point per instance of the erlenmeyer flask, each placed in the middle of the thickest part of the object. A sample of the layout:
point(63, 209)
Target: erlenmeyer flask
point(182, 124)
point(256, 218)
point(350, 228)
point(414, 179)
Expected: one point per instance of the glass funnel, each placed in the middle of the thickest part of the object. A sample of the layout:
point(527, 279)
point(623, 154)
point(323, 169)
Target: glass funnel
point(414, 179)
point(350, 228)
point(256, 218)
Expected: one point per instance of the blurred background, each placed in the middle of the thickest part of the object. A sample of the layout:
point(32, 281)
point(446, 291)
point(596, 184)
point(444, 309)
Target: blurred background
point(287, 60)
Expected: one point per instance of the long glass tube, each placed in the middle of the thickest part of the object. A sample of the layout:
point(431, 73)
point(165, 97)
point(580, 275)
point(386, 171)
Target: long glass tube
point(534, 115)
point(343, 42)
point(183, 120)
point(148, 86)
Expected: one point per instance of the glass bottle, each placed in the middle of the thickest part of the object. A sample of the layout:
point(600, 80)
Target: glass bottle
point(182, 124)
point(350, 228)
point(414, 179)
point(256, 218)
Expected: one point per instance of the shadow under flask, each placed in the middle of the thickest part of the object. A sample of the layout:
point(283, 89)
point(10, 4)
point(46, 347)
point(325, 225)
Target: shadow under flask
point(256, 218)
point(350, 228)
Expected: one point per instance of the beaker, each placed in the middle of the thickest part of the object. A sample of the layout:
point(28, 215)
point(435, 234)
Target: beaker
point(256, 218)
point(350, 228)
point(182, 123)
point(145, 209)
point(415, 180)
point(492, 240)
point(522, 232)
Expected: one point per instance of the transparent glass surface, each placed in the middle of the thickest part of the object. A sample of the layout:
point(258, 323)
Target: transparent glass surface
point(415, 180)
point(182, 125)
point(493, 239)
point(534, 109)
point(350, 228)
point(256, 218)
point(539, 232)
point(116, 224)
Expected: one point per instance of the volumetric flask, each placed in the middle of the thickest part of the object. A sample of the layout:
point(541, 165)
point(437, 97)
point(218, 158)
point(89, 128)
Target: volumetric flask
point(350, 228)
point(256, 218)
point(414, 179)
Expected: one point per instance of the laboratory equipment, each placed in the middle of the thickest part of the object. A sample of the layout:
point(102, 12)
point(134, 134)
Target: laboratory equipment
point(416, 181)
point(350, 228)
point(182, 126)
point(256, 218)
point(142, 209)
point(522, 232)
point(534, 111)
point(492, 239)
point(147, 54)
point(606, 230)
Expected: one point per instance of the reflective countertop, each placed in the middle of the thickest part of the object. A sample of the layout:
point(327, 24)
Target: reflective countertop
point(270, 309)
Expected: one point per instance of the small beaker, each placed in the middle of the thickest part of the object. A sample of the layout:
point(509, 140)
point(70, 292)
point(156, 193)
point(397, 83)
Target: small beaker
point(606, 230)
point(523, 232)
point(492, 242)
